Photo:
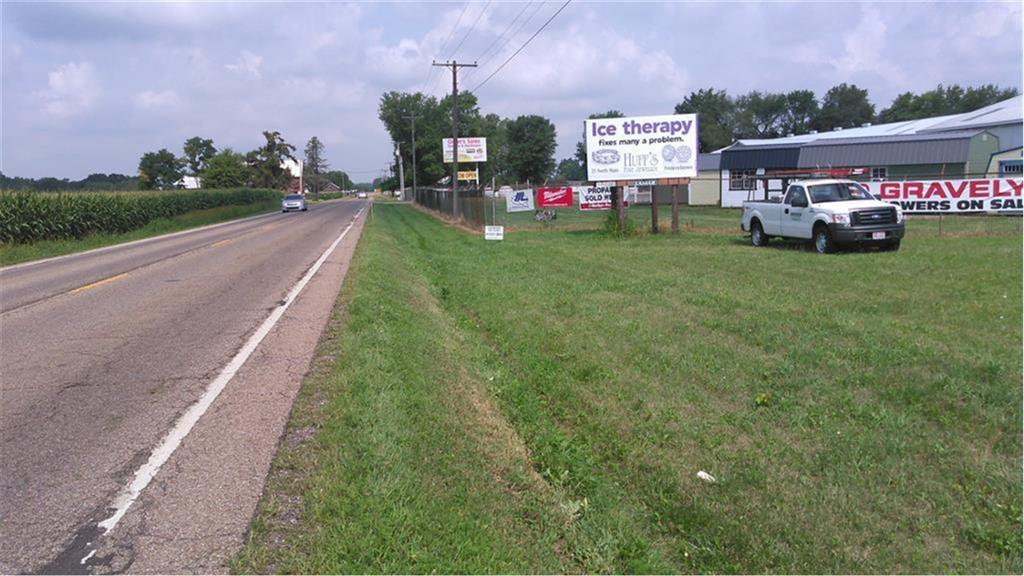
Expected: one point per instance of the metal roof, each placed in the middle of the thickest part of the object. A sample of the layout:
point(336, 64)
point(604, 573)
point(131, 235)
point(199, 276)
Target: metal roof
point(998, 114)
point(708, 161)
point(746, 157)
point(939, 148)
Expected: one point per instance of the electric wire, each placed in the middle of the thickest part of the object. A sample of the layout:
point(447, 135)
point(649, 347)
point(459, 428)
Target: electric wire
point(501, 48)
point(471, 28)
point(494, 42)
point(525, 44)
point(430, 70)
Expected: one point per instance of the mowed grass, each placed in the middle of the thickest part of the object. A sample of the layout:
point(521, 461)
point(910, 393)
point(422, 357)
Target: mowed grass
point(545, 403)
point(17, 253)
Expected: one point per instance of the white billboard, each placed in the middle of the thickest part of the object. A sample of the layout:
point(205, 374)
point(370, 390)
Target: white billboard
point(939, 196)
point(470, 150)
point(642, 147)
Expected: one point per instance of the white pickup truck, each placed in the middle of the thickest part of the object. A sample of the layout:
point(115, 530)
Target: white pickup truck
point(832, 213)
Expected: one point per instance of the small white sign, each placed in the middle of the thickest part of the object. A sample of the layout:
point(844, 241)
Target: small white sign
point(494, 232)
point(519, 201)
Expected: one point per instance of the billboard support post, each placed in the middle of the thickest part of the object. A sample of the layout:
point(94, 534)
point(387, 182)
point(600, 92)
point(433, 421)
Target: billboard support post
point(675, 208)
point(654, 209)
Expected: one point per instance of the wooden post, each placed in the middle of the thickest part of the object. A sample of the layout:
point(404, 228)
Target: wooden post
point(675, 208)
point(618, 202)
point(654, 209)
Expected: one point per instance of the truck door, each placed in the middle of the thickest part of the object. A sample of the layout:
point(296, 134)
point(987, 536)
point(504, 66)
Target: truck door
point(797, 218)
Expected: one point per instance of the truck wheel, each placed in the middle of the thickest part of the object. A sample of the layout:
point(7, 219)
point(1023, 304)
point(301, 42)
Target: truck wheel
point(757, 236)
point(823, 243)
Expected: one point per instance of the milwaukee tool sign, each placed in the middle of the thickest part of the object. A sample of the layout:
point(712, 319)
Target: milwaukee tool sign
point(557, 197)
point(947, 196)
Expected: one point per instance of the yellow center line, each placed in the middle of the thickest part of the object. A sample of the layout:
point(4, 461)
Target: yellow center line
point(222, 242)
point(99, 283)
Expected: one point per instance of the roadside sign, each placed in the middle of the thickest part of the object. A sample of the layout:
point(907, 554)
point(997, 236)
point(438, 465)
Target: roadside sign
point(469, 176)
point(519, 201)
point(595, 197)
point(554, 197)
point(470, 149)
point(494, 232)
point(642, 147)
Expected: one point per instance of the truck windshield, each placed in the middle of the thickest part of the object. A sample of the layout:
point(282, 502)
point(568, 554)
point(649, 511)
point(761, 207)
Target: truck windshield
point(838, 192)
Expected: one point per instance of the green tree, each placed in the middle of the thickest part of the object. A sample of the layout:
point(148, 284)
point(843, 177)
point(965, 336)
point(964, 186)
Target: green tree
point(716, 112)
point(225, 169)
point(569, 169)
point(315, 165)
point(266, 163)
point(531, 148)
point(844, 106)
point(801, 110)
point(340, 179)
point(198, 152)
point(943, 101)
point(581, 146)
point(759, 115)
point(159, 170)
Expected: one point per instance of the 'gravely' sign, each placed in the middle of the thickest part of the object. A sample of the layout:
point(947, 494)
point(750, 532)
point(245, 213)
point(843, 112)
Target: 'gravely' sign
point(941, 196)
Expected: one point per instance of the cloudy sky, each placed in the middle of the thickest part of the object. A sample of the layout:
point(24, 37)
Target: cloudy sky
point(89, 87)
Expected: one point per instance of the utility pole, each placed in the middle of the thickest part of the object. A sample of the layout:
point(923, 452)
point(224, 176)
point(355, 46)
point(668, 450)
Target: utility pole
point(401, 168)
point(413, 118)
point(455, 129)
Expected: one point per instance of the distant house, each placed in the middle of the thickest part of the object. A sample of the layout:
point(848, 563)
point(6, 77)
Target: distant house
point(188, 183)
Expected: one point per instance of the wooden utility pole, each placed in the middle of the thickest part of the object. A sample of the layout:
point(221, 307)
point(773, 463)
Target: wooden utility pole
point(455, 129)
point(654, 209)
point(413, 118)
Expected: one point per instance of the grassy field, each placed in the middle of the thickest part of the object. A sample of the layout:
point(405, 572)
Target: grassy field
point(17, 253)
point(545, 403)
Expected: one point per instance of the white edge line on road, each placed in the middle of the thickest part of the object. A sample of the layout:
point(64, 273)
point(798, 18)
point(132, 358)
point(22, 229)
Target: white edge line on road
point(191, 416)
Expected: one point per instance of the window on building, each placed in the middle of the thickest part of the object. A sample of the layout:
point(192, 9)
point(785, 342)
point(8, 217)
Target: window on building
point(879, 173)
point(1010, 167)
point(742, 179)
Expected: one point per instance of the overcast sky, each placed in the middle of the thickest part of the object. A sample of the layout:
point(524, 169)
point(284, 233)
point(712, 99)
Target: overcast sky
point(89, 87)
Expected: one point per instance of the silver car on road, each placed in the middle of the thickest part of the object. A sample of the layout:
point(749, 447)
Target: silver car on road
point(293, 202)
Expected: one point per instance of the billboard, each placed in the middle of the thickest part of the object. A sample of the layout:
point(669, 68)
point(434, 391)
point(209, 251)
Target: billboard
point(554, 197)
point(470, 150)
point(949, 196)
point(642, 147)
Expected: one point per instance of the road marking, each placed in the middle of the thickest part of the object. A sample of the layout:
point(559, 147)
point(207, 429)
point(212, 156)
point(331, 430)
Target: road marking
point(100, 283)
point(222, 242)
point(188, 420)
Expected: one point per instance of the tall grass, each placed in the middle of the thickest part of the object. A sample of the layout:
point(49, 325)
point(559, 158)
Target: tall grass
point(27, 217)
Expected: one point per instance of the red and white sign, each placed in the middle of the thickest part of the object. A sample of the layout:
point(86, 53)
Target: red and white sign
point(595, 197)
point(557, 197)
point(946, 196)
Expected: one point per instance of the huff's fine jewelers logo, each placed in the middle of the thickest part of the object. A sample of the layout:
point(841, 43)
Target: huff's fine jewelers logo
point(605, 156)
point(681, 153)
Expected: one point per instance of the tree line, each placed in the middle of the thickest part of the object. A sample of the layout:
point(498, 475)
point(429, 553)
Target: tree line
point(725, 119)
point(92, 182)
point(262, 167)
point(518, 150)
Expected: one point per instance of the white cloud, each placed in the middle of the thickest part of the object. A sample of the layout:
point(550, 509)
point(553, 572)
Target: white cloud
point(163, 99)
point(248, 64)
point(863, 47)
point(73, 89)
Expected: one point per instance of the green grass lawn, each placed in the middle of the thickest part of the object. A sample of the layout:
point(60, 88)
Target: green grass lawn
point(544, 404)
point(17, 253)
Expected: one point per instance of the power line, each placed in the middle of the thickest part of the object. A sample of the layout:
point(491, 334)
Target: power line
point(471, 28)
point(502, 35)
point(525, 44)
point(490, 55)
point(445, 45)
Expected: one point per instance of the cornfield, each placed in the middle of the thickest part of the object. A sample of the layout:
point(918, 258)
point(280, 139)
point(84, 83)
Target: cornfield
point(30, 216)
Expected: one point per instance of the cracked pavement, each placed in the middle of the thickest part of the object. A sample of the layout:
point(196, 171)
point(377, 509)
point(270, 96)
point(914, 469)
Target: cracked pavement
point(91, 382)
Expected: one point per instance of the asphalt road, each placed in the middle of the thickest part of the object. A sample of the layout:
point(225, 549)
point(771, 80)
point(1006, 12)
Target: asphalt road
point(102, 353)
